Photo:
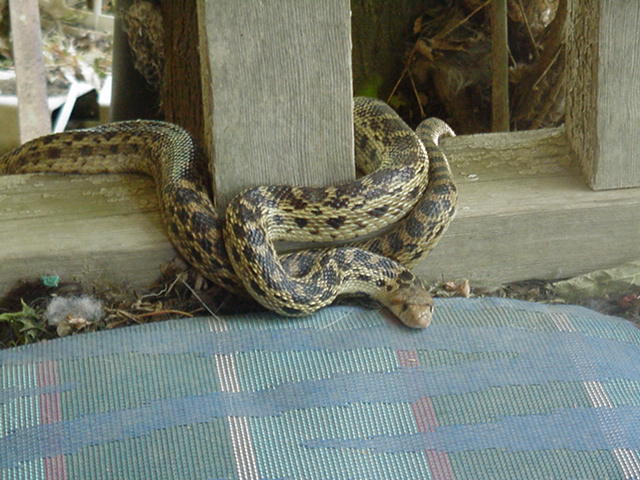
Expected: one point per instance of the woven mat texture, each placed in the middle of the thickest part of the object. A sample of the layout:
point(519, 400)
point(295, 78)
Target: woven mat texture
point(494, 389)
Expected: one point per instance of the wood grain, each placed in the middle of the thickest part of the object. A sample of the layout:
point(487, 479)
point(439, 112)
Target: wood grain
point(280, 98)
point(603, 98)
point(102, 229)
point(181, 89)
point(524, 212)
point(618, 95)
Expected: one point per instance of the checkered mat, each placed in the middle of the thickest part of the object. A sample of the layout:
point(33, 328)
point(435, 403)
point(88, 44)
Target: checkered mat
point(494, 389)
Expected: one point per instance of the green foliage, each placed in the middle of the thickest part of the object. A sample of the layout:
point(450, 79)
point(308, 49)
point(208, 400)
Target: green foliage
point(370, 87)
point(20, 328)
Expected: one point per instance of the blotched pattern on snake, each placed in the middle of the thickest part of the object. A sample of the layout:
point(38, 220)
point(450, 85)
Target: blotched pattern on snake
point(408, 184)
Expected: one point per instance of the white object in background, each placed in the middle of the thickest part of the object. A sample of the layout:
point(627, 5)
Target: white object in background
point(97, 12)
point(104, 100)
point(76, 89)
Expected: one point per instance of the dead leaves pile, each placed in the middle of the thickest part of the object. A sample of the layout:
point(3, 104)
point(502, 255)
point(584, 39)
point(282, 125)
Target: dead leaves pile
point(447, 69)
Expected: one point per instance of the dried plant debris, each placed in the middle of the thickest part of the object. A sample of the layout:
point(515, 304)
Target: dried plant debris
point(448, 65)
point(601, 283)
point(33, 311)
point(143, 24)
point(612, 292)
point(72, 51)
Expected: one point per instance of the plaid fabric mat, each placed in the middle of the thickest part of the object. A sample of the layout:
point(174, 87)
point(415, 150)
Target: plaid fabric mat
point(494, 389)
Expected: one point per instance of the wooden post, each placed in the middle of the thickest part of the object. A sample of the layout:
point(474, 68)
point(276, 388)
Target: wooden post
point(520, 195)
point(603, 94)
point(33, 109)
point(277, 92)
point(500, 67)
point(181, 89)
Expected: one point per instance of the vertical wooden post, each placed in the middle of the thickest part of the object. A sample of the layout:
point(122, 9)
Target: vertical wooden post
point(603, 94)
point(500, 67)
point(277, 92)
point(181, 90)
point(33, 110)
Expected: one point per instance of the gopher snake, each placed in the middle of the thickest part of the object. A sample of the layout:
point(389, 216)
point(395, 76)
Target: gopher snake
point(238, 254)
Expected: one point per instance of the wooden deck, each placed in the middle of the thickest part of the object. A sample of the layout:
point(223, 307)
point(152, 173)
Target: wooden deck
point(525, 212)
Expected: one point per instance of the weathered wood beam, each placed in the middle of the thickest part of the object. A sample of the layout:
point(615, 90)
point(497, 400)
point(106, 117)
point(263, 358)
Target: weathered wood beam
point(102, 229)
point(181, 89)
point(603, 94)
point(277, 92)
point(499, 67)
point(524, 213)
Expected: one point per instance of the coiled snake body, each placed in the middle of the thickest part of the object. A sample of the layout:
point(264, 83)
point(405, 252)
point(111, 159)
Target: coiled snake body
point(237, 253)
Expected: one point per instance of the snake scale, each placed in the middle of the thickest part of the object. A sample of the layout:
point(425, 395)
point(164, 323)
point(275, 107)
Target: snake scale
point(408, 183)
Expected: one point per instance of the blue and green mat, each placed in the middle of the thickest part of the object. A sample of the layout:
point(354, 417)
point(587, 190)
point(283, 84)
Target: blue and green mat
point(493, 389)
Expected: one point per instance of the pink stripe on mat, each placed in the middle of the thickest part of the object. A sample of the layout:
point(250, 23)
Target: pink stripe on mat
point(408, 358)
point(427, 421)
point(49, 402)
point(440, 465)
point(55, 468)
point(424, 414)
point(50, 412)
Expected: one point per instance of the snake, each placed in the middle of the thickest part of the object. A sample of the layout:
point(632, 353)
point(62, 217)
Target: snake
point(407, 188)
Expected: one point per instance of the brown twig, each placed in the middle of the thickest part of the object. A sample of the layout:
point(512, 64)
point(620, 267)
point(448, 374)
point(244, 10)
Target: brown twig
point(442, 35)
point(529, 32)
point(551, 97)
point(164, 312)
point(546, 70)
point(404, 70)
point(417, 95)
point(202, 302)
point(438, 36)
point(525, 93)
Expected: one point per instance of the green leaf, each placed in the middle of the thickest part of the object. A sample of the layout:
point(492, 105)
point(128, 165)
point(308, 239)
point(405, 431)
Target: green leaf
point(370, 87)
point(27, 326)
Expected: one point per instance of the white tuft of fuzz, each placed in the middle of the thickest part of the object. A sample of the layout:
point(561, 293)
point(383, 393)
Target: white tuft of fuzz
point(63, 309)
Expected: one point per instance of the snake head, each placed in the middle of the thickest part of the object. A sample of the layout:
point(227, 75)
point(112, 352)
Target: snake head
point(412, 304)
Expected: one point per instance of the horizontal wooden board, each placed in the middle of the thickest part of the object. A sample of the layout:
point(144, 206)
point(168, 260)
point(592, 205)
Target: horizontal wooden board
point(547, 228)
point(524, 213)
point(100, 229)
